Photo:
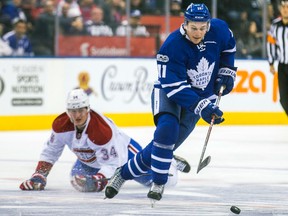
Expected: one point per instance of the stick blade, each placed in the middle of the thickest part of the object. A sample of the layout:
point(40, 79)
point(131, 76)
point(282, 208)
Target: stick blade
point(204, 163)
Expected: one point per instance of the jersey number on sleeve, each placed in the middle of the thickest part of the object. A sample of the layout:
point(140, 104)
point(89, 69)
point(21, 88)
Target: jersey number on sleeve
point(161, 71)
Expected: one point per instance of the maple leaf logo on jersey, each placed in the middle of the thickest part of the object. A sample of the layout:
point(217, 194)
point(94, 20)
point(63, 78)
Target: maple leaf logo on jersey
point(202, 75)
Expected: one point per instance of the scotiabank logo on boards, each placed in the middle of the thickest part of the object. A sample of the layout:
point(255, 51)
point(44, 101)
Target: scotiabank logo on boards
point(255, 82)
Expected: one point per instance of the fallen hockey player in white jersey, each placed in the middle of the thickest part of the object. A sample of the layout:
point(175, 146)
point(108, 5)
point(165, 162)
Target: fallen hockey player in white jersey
point(98, 144)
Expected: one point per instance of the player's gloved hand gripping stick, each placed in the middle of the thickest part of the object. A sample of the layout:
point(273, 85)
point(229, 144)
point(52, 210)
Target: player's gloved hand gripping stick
point(206, 161)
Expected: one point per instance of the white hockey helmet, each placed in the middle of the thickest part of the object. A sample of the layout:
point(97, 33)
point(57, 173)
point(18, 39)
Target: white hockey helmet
point(77, 98)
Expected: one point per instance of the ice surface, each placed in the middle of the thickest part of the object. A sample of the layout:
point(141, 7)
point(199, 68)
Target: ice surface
point(249, 169)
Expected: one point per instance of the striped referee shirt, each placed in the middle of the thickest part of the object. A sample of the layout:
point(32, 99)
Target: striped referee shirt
point(277, 42)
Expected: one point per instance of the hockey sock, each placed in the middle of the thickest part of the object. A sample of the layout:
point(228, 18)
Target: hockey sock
point(165, 138)
point(160, 162)
point(137, 166)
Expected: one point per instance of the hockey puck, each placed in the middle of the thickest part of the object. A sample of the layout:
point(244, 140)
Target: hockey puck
point(235, 210)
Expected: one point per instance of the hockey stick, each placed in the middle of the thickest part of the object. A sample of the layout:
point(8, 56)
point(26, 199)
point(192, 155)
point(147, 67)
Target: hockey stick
point(206, 161)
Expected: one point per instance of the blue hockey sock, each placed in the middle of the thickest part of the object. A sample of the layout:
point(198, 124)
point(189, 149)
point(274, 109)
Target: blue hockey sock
point(138, 165)
point(161, 159)
point(165, 137)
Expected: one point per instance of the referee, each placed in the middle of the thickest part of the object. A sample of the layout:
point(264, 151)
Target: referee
point(277, 49)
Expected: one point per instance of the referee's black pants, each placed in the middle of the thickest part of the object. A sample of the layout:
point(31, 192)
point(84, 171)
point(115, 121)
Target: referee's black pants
point(283, 85)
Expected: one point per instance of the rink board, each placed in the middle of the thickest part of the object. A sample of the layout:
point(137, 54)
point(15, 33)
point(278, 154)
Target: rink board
point(140, 119)
point(33, 91)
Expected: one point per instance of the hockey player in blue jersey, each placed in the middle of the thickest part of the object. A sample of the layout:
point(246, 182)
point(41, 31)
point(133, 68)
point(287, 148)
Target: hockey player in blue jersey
point(193, 63)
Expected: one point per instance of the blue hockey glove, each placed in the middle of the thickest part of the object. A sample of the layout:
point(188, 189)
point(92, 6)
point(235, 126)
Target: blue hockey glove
point(36, 182)
point(226, 77)
point(206, 109)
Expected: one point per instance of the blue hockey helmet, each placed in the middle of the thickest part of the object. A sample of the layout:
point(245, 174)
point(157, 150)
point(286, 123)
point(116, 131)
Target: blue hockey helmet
point(197, 13)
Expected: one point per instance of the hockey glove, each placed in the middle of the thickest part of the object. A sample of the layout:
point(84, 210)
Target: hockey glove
point(226, 76)
point(206, 109)
point(38, 179)
point(36, 182)
point(94, 183)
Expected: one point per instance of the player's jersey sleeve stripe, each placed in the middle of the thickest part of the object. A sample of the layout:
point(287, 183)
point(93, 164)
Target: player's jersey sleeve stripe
point(230, 50)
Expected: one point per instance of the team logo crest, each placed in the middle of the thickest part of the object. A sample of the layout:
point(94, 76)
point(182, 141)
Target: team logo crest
point(201, 47)
point(202, 75)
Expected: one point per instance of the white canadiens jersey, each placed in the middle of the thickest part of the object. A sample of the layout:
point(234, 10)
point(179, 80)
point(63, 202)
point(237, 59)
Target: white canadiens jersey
point(101, 145)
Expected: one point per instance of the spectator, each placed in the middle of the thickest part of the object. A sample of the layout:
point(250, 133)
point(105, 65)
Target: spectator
point(13, 10)
point(4, 20)
point(77, 27)
point(250, 46)
point(139, 5)
point(44, 34)
point(69, 24)
point(5, 49)
point(270, 16)
point(74, 8)
point(86, 6)
point(133, 27)
point(95, 26)
point(243, 25)
point(113, 12)
point(175, 8)
point(64, 19)
point(18, 40)
point(274, 4)
point(27, 7)
point(230, 11)
point(156, 7)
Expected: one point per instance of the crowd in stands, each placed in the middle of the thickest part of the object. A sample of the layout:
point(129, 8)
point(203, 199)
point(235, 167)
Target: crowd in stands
point(27, 27)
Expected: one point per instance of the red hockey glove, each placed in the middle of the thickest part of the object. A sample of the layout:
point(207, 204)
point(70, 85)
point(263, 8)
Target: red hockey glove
point(36, 182)
point(38, 179)
point(88, 183)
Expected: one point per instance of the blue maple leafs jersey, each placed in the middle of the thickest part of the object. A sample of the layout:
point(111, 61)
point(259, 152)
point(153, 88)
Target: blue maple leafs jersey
point(20, 46)
point(186, 71)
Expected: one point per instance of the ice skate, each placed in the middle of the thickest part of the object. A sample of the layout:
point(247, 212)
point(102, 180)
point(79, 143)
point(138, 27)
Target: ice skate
point(114, 184)
point(155, 193)
point(182, 164)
